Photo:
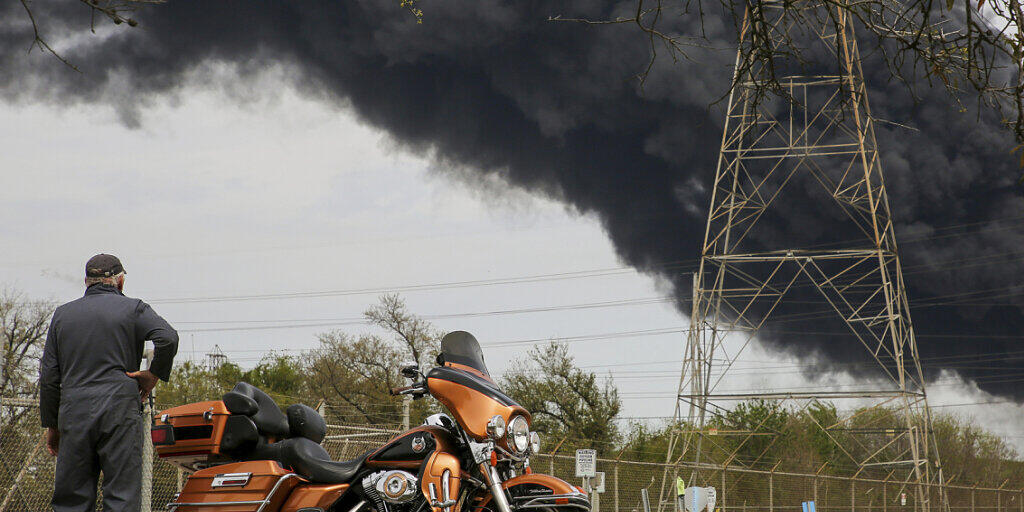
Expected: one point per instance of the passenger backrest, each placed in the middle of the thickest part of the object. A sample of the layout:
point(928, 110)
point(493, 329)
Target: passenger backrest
point(303, 421)
point(248, 400)
point(240, 435)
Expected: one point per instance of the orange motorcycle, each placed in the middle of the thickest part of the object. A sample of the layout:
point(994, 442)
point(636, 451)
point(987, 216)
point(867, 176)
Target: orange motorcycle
point(248, 455)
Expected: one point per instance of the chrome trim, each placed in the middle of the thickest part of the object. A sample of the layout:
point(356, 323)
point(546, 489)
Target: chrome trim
point(380, 480)
point(576, 500)
point(481, 451)
point(446, 493)
point(534, 443)
point(496, 427)
point(231, 480)
point(494, 482)
point(510, 436)
point(174, 506)
point(357, 505)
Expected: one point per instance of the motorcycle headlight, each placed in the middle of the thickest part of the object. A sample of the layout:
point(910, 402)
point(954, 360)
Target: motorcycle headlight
point(518, 434)
point(496, 427)
point(534, 443)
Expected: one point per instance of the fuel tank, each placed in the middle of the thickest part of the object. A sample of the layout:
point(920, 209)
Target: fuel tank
point(410, 448)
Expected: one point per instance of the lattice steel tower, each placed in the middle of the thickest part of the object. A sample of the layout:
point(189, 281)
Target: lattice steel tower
point(818, 133)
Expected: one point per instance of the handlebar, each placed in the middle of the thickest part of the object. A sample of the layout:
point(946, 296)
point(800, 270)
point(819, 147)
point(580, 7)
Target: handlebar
point(417, 389)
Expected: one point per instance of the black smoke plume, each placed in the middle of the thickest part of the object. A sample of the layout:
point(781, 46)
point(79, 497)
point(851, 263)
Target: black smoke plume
point(554, 107)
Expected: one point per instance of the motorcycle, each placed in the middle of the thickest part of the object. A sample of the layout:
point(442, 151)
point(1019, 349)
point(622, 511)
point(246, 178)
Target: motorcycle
point(246, 455)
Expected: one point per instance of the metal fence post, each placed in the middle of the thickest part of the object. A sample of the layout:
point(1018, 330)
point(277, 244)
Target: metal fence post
point(972, 497)
point(553, 452)
point(885, 494)
point(724, 492)
point(771, 491)
point(853, 494)
point(147, 447)
point(673, 491)
point(616, 470)
point(816, 491)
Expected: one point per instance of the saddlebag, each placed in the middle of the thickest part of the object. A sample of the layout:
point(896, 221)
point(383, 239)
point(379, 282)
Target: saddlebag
point(236, 487)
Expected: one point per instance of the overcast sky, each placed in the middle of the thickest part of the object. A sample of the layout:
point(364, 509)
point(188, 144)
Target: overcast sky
point(210, 199)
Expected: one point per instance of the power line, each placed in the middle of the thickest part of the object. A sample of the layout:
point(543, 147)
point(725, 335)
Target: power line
point(934, 301)
point(360, 320)
point(689, 264)
point(400, 289)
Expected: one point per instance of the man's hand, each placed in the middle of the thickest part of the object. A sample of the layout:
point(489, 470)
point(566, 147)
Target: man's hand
point(146, 380)
point(52, 440)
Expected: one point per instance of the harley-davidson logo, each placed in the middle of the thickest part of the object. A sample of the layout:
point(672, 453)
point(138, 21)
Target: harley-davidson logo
point(418, 444)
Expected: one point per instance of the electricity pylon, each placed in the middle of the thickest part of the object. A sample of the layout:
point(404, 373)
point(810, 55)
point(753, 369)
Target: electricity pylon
point(817, 131)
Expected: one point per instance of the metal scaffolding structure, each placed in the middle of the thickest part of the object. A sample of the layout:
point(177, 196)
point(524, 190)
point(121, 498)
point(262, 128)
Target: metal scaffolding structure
point(818, 132)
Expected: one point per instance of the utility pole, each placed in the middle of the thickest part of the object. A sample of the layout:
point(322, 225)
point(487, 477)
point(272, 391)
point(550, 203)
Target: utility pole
point(816, 136)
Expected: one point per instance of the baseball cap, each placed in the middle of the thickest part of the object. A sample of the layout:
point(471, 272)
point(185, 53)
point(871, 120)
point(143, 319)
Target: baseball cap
point(103, 265)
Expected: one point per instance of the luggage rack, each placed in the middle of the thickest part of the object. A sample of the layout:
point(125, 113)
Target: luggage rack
point(173, 506)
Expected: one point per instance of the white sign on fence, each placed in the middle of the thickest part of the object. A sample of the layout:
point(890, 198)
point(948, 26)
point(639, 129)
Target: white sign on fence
point(597, 484)
point(586, 463)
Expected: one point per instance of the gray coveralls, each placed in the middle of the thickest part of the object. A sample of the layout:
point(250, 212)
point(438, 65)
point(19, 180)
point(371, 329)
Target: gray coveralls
point(86, 395)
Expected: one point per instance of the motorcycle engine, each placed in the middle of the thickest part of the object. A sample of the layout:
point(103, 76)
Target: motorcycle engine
point(393, 491)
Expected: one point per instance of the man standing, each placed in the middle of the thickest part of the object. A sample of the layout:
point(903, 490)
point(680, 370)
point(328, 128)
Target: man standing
point(91, 386)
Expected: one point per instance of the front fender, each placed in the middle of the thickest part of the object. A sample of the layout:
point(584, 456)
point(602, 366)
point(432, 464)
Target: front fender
point(540, 491)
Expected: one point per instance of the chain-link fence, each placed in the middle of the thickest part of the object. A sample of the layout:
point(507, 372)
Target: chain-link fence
point(747, 490)
point(26, 468)
point(26, 478)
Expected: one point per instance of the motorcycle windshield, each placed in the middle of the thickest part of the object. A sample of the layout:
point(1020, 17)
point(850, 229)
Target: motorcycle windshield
point(460, 347)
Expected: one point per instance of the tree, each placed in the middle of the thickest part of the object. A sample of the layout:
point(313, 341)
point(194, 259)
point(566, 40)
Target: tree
point(355, 373)
point(418, 339)
point(280, 376)
point(565, 401)
point(819, 419)
point(647, 443)
point(753, 430)
point(117, 12)
point(352, 374)
point(972, 454)
point(23, 326)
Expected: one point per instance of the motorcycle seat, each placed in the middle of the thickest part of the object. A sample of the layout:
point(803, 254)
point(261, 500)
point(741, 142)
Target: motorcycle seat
point(312, 462)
